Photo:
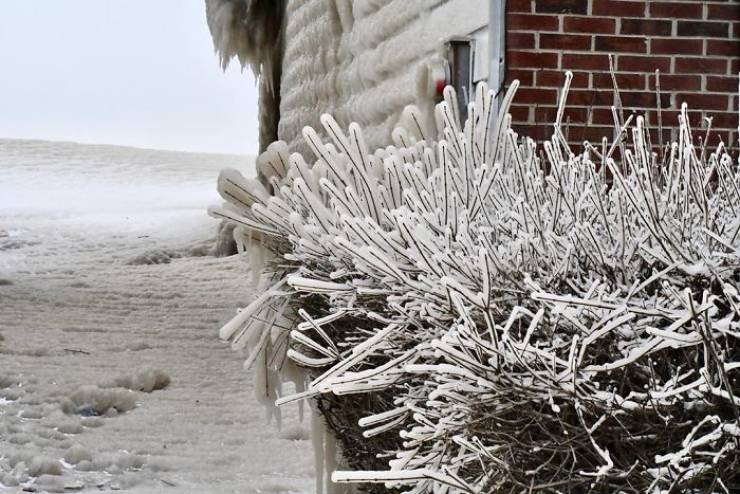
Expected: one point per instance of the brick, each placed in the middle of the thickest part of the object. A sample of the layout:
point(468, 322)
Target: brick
point(576, 115)
point(519, 41)
point(722, 84)
point(671, 83)
point(585, 61)
point(620, 44)
point(549, 114)
point(734, 65)
point(644, 99)
point(519, 5)
point(677, 46)
point(601, 97)
point(736, 29)
point(645, 27)
point(545, 114)
point(523, 129)
point(654, 135)
point(701, 65)
point(537, 132)
point(556, 78)
point(537, 95)
point(565, 42)
point(523, 59)
point(670, 117)
point(730, 48)
point(643, 64)
point(703, 29)
point(591, 133)
point(619, 8)
point(729, 12)
point(602, 116)
point(624, 81)
point(573, 133)
point(561, 6)
point(528, 22)
point(727, 120)
point(519, 113)
point(601, 25)
point(715, 137)
point(703, 100)
point(676, 10)
point(525, 77)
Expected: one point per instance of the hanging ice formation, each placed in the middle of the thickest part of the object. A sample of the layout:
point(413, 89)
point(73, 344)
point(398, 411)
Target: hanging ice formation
point(516, 320)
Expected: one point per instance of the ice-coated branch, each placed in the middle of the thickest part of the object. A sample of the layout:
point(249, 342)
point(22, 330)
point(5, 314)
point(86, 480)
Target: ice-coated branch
point(494, 318)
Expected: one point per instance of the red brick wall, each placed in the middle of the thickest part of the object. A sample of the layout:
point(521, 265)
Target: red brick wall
point(695, 44)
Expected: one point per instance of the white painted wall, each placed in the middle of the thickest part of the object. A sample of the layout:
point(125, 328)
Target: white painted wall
point(361, 60)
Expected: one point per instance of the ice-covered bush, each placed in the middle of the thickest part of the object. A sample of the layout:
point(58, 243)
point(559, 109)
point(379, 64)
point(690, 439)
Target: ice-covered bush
point(472, 314)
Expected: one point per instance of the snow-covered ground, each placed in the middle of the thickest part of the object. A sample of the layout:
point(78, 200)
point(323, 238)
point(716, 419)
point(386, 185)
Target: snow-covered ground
point(104, 287)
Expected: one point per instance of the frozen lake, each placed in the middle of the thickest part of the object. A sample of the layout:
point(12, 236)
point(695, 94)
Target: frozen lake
point(85, 315)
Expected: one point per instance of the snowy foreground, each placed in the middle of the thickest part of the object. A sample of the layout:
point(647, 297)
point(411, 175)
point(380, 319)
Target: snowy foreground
point(106, 295)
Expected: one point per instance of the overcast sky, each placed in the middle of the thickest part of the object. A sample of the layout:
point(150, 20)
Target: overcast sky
point(132, 72)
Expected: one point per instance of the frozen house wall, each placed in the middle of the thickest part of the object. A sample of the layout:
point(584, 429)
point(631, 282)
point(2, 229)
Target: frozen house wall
point(364, 60)
point(361, 61)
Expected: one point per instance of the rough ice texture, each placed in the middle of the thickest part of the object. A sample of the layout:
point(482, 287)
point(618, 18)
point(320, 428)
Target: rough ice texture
point(245, 30)
point(77, 314)
point(146, 380)
point(77, 454)
point(43, 465)
point(92, 400)
point(360, 61)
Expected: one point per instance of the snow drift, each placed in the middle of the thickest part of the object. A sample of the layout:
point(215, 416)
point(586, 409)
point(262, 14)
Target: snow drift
point(472, 314)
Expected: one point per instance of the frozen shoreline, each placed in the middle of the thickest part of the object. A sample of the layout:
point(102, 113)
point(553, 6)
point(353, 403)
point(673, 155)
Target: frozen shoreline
point(80, 305)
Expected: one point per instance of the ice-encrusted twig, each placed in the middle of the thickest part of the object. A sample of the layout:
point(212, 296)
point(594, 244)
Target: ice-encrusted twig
point(486, 306)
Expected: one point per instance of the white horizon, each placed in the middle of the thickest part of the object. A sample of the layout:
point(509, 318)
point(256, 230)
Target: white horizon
point(130, 73)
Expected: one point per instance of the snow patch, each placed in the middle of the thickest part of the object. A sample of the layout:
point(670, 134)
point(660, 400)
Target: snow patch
point(137, 346)
point(127, 480)
point(90, 400)
point(50, 483)
point(70, 428)
point(100, 207)
point(156, 256)
point(146, 380)
point(166, 256)
point(9, 480)
point(295, 433)
point(8, 380)
point(43, 465)
point(76, 454)
point(14, 244)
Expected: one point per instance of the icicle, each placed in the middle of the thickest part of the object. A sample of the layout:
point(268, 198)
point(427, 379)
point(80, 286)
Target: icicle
point(318, 433)
point(330, 463)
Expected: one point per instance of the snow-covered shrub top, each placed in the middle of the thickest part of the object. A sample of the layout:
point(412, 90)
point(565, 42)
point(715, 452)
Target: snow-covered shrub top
point(544, 320)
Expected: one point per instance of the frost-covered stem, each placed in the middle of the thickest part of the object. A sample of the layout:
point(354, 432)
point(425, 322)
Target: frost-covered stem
point(470, 306)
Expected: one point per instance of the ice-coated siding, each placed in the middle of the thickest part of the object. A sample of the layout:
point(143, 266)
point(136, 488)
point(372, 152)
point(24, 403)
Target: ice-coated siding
point(360, 60)
point(312, 37)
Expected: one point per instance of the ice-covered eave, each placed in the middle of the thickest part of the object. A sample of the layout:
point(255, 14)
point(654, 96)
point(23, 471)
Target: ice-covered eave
point(248, 30)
